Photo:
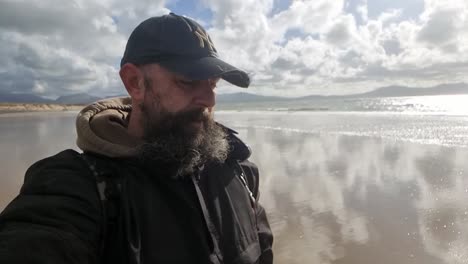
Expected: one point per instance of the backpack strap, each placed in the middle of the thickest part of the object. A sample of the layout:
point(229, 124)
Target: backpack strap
point(244, 178)
point(109, 189)
point(120, 231)
point(241, 174)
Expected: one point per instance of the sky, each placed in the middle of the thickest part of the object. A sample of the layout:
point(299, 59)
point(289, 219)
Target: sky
point(289, 47)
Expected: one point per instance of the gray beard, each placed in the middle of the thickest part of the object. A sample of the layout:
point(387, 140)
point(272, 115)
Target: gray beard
point(171, 142)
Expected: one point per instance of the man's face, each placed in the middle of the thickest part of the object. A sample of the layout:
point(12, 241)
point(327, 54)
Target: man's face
point(177, 119)
point(177, 93)
point(171, 99)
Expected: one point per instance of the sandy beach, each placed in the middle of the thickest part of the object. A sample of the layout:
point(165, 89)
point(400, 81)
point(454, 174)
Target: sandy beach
point(36, 107)
point(338, 188)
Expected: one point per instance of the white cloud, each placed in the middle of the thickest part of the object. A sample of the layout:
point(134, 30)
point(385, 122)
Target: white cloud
point(389, 15)
point(52, 47)
point(342, 31)
point(362, 10)
point(336, 55)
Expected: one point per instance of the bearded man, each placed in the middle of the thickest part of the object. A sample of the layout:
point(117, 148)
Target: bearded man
point(159, 181)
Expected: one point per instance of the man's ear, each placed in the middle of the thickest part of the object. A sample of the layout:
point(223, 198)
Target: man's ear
point(133, 80)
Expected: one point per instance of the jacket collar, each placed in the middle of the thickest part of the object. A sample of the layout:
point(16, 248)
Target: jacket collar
point(239, 149)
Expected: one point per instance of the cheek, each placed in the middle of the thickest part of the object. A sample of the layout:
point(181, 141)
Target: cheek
point(175, 101)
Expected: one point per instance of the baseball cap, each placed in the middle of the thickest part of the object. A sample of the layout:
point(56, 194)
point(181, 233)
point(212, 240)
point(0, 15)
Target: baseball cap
point(180, 45)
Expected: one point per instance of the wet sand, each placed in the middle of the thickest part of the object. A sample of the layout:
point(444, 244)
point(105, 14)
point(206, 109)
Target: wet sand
point(356, 200)
point(26, 138)
point(330, 198)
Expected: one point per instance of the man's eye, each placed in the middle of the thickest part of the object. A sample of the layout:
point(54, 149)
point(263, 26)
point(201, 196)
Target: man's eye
point(186, 83)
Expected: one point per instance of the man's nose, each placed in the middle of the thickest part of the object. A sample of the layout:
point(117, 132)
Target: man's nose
point(205, 95)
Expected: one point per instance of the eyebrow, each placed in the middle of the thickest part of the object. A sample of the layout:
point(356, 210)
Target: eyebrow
point(181, 77)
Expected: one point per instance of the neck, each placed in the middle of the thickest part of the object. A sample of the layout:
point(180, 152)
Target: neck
point(134, 125)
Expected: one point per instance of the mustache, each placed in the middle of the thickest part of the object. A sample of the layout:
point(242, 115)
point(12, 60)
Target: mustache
point(167, 124)
point(191, 115)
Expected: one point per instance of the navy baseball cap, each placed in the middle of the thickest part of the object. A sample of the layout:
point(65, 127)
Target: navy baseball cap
point(180, 45)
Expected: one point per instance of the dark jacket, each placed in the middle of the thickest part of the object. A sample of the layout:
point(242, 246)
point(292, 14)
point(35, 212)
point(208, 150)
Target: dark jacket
point(210, 217)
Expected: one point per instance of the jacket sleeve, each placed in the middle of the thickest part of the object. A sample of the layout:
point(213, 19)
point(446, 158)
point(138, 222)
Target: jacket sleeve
point(56, 216)
point(265, 234)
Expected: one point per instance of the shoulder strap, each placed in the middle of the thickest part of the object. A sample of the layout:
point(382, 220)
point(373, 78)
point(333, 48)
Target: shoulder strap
point(242, 176)
point(239, 171)
point(109, 189)
point(118, 223)
point(249, 186)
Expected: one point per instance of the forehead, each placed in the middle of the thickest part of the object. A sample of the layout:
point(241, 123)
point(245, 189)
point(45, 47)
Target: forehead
point(158, 70)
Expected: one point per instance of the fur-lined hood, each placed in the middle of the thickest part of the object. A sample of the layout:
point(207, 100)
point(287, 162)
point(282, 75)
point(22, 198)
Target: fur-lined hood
point(102, 128)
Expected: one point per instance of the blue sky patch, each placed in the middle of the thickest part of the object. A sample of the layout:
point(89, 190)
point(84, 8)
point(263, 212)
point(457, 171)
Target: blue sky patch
point(193, 9)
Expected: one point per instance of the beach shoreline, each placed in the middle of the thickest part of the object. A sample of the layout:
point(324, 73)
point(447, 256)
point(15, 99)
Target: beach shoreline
point(8, 108)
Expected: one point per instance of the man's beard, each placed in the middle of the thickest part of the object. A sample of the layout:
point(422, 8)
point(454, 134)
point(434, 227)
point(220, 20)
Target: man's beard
point(172, 140)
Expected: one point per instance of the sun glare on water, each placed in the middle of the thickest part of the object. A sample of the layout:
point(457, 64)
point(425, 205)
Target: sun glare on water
point(444, 104)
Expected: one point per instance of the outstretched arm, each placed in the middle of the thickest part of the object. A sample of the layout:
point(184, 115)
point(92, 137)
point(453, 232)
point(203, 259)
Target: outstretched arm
point(55, 218)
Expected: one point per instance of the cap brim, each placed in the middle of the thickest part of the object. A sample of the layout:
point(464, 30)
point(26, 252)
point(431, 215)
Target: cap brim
point(208, 67)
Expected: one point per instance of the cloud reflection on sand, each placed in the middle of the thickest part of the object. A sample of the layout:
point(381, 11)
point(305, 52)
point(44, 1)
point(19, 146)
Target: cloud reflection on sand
point(343, 199)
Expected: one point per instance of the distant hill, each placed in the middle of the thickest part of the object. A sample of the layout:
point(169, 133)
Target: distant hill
point(400, 91)
point(396, 91)
point(244, 97)
point(81, 98)
point(23, 98)
point(390, 91)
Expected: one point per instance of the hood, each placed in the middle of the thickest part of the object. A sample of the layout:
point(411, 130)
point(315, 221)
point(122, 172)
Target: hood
point(102, 128)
